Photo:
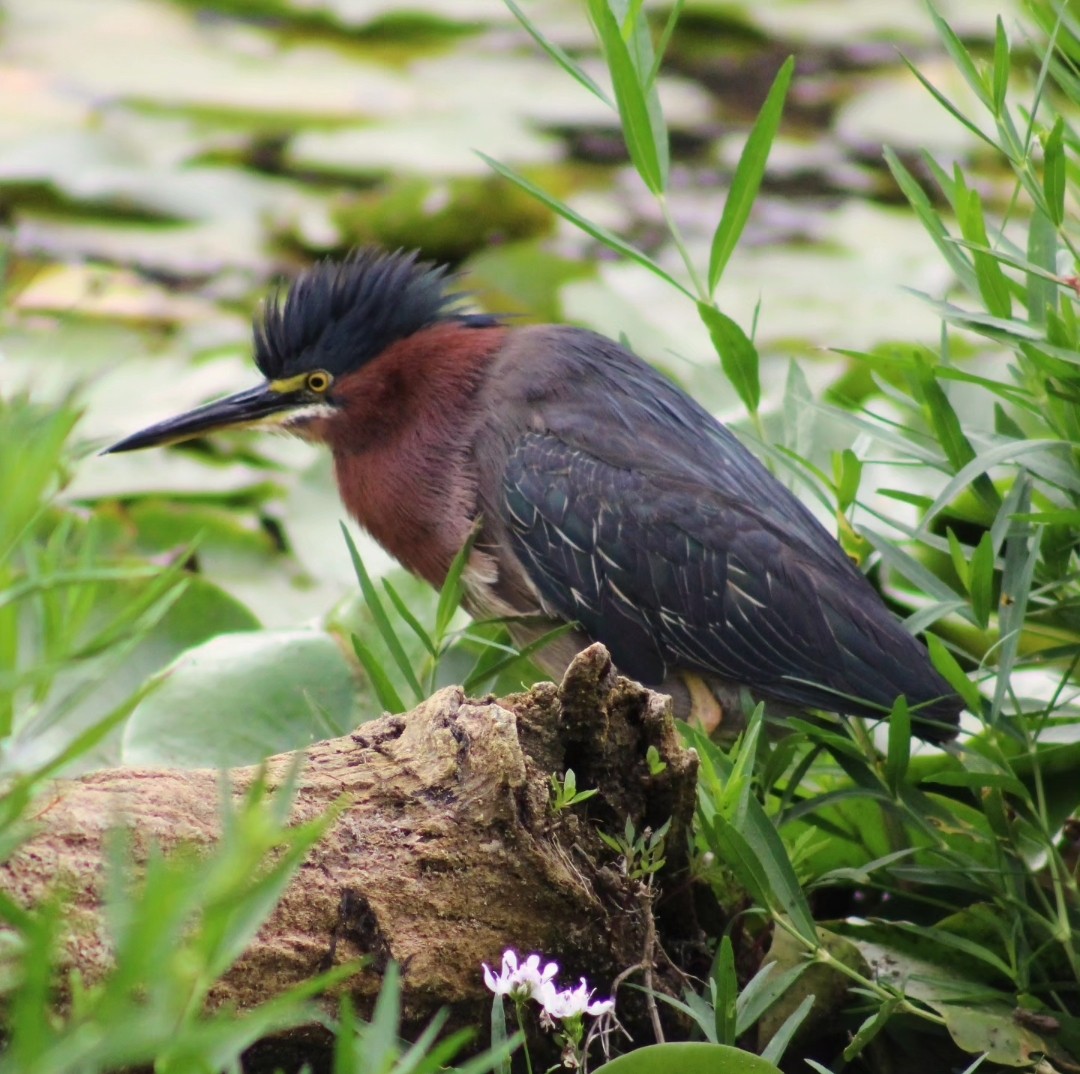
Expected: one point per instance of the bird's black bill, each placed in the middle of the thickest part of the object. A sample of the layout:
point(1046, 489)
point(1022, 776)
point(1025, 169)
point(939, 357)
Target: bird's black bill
point(253, 407)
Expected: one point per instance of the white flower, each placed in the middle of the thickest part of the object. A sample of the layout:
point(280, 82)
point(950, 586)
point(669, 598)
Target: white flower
point(572, 1002)
point(520, 981)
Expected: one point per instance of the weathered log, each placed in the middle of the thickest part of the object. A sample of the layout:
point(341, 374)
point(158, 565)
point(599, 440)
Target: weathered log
point(447, 852)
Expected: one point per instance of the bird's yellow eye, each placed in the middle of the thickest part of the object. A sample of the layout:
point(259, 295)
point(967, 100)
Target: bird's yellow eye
point(318, 381)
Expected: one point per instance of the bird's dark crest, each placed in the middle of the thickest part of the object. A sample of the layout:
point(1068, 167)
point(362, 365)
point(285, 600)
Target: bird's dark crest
point(338, 315)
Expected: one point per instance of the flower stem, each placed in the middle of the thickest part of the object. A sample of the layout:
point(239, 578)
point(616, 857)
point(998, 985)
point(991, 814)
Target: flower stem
point(518, 1004)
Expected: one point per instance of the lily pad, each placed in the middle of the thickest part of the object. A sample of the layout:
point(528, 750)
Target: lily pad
point(696, 1058)
point(239, 698)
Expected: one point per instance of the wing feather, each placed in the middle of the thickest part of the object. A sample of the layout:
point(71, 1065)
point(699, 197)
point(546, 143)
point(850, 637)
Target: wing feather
point(678, 576)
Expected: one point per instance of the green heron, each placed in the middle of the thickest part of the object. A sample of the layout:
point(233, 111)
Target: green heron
point(606, 497)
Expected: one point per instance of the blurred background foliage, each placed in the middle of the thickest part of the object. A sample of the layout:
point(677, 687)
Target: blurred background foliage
point(911, 373)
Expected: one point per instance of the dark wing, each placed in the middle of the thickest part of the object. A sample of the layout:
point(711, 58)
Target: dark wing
point(667, 577)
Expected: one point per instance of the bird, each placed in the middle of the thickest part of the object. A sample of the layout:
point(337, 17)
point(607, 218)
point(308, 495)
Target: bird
point(598, 494)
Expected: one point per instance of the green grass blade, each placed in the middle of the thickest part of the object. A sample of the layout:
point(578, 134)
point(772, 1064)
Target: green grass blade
point(1042, 281)
point(895, 558)
point(986, 460)
point(774, 1050)
point(993, 286)
point(499, 1035)
point(384, 689)
point(763, 990)
point(382, 620)
point(408, 618)
point(453, 589)
point(727, 992)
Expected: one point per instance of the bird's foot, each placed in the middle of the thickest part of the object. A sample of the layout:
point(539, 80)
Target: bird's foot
point(706, 711)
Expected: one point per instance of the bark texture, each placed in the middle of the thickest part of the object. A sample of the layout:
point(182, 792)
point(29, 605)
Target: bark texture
point(448, 852)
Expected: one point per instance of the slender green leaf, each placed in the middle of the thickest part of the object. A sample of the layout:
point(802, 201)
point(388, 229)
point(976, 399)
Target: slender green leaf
point(898, 756)
point(1054, 179)
point(763, 990)
point(665, 39)
point(384, 688)
point(1001, 67)
point(749, 172)
point(870, 1028)
point(931, 220)
point(738, 356)
point(993, 286)
point(894, 557)
point(487, 671)
point(774, 1050)
point(1042, 286)
point(1014, 259)
point(499, 1035)
point(999, 455)
point(946, 424)
point(408, 618)
point(926, 617)
point(453, 588)
point(727, 992)
point(1021, 554)
point(981, 584)
point(601, 234)
point(558, 54)
point(642, 121)
point(951, 108)
point(384, 626)
point(381, 1035)
point(959, 556)
point(961, 58)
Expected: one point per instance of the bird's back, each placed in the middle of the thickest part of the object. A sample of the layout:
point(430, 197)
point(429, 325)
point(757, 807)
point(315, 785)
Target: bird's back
point(637, 514)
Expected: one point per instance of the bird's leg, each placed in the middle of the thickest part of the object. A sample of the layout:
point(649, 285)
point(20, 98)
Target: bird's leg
point(706, 711)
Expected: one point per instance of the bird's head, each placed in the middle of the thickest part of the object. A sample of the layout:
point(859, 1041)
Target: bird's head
point(334, 319)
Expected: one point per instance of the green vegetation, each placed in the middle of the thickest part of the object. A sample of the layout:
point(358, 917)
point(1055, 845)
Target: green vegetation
point(914, 907)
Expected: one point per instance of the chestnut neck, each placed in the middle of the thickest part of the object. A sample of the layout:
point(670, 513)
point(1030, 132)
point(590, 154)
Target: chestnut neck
point(401, 443)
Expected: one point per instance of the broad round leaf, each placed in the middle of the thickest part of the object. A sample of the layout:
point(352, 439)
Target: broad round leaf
point(694, 1058)
point(241, 697)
